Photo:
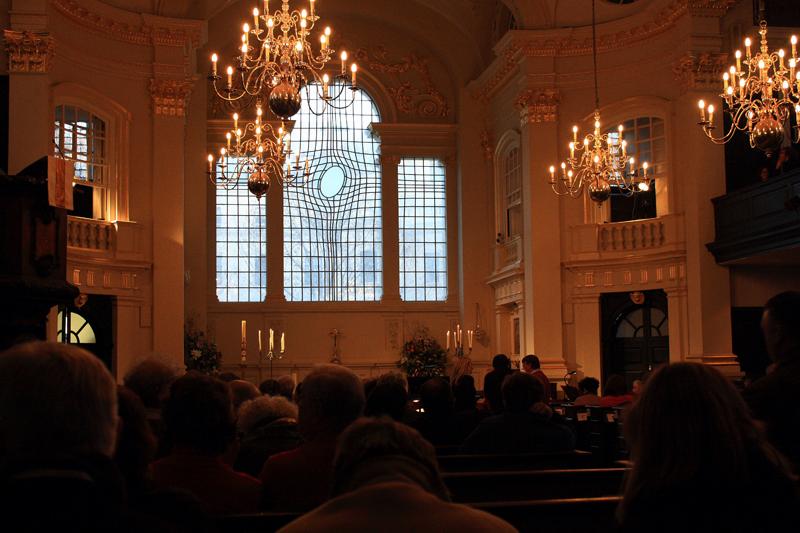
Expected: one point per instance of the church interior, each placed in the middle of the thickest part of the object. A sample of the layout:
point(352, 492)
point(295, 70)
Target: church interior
point(254, 188)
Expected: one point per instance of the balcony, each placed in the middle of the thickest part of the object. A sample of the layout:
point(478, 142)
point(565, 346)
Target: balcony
point(89, 238)
point(759, 224)
point(508, 254)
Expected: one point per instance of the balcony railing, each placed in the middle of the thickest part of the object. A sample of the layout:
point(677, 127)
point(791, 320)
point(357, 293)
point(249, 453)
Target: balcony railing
point(87, 234)
point(622, 239)
point(507, 253)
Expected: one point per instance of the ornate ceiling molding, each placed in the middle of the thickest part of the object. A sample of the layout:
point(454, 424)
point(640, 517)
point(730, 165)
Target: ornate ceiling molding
point(170, 97)
point(559, 43)
point(699, 71)
point(28, 51)
point(142, 30)
point(537, 105)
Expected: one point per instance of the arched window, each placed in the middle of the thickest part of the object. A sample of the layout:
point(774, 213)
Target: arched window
point(333, 248)
point(80, 331)
point(646, 142)
point(512, 176)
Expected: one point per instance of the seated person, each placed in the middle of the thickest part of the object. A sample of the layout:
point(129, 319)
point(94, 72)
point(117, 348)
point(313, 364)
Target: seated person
point(436, 422)
point(519, 429)
point(532, 366)
point(386, 479)
point(387, 396)
point(330, 399)
point(615, 393)
point(242, 391)
point(588, 392)
point(699, 462)
point(466, 415)
point(493, 382)
point(266, 426)
point(200, 424)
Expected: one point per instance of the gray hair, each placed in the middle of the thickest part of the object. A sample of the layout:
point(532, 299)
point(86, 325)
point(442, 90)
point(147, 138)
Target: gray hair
point(56, 398)
point(331, 397)
point(286, 386)
point(264, 407)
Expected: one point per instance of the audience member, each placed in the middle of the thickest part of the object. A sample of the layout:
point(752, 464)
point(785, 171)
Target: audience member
point(532, 366)
point(330, 399)
point(267, 425)
point(227, 377)
point(200, 424)
point(773, 398)
point(436, 422)
point(588, 388)
point(699, 462)
point(388, 396)
point(269, 387)
point(286, 387)
point(386, 478)
point(518, 429)
point(242, 391)
point(58, 427)
point(150, 380)
point(493, 382)
point(466, 415)
point(615, 392)
point(136, 443)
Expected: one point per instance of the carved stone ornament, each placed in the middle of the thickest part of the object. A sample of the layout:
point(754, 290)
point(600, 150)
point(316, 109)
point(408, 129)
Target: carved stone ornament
point(537, 105)
point(28, 51)
point(701, 71)
point(411, 84)
point(486, 145)
point(170, 97)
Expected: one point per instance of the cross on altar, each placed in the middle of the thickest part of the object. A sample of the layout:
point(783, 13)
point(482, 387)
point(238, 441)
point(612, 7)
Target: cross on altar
point(336, 356)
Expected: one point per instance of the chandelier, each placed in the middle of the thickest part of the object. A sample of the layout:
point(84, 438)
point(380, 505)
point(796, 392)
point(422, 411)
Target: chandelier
point(601, 160)
point(759, 101)
point(258, 151)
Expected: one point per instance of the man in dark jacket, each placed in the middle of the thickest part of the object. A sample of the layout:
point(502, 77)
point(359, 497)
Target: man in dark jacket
point(493, 382)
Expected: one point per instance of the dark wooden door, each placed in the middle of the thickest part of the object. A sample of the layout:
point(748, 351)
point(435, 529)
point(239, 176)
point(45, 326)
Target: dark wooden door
point(91, 327)
point(635, 334)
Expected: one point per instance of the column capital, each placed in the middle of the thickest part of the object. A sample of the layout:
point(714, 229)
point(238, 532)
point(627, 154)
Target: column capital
point(170, 96)
point(537, 104)
point(700, 71)
point(28, 52)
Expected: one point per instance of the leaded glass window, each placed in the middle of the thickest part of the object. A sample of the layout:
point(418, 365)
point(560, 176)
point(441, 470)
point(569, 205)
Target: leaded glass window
point(80, 331)
point(241, 253)
point(333, 248)
point(422, 192)
point(80, 136)
point(513, 184)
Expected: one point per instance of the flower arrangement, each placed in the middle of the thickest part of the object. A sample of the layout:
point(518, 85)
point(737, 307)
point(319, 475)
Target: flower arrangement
point(199, 353)
point(422, 356)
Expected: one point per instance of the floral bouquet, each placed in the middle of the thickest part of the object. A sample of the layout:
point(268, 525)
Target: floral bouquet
point(422, 356)
point(199, 353)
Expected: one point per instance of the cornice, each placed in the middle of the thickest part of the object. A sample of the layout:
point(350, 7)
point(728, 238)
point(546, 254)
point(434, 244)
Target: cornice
point(170, 97)
point(28, 52)
point(538, 105)
point(519, 44)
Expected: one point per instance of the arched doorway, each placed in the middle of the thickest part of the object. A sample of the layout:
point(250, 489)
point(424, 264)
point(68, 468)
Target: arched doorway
point(90, 326)
point(635, 333)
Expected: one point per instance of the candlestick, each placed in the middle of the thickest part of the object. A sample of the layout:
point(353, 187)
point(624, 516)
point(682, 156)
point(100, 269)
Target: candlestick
point(259, 340)
point(271, 339)
point(283, 341)
point(214, 59)
point(344, 61)
point(244, 331)
point(353, 70)
point(448, 339)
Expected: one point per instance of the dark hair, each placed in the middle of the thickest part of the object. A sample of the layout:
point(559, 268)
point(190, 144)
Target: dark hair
point(199, 414)
point(615, 386)
point(269, 387)
point(690, 426)
point(464, 393)
point(150, 380)
point(531, 360)
point(388, 396)
point(501, 362)
point(241, 391)
point(784, 309)
point(521, 391)
point(437, 397)
point(227, 377)
point(589, 385)
point(332, 397)
point(136, 444)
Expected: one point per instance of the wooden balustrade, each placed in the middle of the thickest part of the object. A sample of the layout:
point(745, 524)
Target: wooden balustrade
point(631, 236)
point(90, 234)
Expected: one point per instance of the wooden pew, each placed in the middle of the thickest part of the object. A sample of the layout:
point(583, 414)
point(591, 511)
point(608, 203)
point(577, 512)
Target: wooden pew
point(537, 461)
point(254, 523)
point(567, 515)
point(468, 487)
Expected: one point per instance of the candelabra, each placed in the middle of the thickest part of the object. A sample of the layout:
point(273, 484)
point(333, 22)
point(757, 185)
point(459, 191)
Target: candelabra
point(601, 161)
point(277, 61)
point(759, 101)
point(258, 151)
point(458, 341)
point(271, 355)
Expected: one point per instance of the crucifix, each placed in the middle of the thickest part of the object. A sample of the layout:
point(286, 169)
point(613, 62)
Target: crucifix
point(337, 353)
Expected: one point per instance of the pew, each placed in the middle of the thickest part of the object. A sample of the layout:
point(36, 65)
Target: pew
point(469, 487)
point(597, 429)
point(254, 523)
point(537, 461)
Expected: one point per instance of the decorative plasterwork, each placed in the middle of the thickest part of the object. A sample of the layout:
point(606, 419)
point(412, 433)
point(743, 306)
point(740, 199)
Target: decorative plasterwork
point(170, 97)
point(520, 44)
point(419, 96)
point(27, 51)
point(700, 71)
point(142, 30)
point(537, 105)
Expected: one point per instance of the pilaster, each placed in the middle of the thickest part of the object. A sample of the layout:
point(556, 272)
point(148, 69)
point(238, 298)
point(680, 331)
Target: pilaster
point(391, 228)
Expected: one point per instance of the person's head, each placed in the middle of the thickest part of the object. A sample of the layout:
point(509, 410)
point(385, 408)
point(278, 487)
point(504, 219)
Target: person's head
point(136, 443)
point(781, 326)
point(388, 396)
point(332, 397)
point(520, 392)
point(242, 391)
point(269, 387)
point(615, 386)
point(689, 426)
point(227, 377)
point(436, 397)
point(55, 399)
point(199, 414)
point(530, 363)
point(588, 386)
point(286, 386)
point(380, 448)
point(150, 380)
point(501, 362)
point(636, 387)
point(464, 393)
point(262, 410)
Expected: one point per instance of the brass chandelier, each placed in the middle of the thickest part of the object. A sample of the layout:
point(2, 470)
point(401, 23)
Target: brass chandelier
point(759, 101)
point(601, 160)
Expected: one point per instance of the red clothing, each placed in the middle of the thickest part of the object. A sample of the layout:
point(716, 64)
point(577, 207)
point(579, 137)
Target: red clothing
point(538, 374)
point(219, 489)
point(614, 401)
point(300, 479)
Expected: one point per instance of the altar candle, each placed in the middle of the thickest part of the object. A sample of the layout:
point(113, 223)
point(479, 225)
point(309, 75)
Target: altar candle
point(448, 339)
point(469, 338)
point(259, 340)
point(271, 339)
point(353, 70)
point(283, 341)
point(244, 331)
point(214, 59)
